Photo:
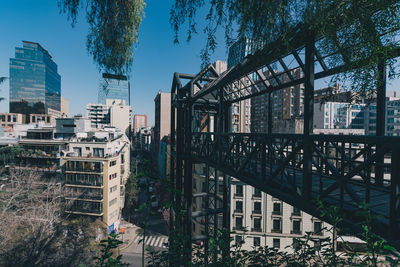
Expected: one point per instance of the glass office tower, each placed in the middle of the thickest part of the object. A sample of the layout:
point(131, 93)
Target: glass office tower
point(114, 87)
point(35, 85)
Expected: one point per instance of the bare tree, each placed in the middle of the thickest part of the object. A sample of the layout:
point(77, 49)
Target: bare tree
point(33, 227)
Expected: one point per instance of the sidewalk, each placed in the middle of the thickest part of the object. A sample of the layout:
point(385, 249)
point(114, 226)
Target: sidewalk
point(129, 236)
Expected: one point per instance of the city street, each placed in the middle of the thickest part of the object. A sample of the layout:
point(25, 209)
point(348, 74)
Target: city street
point(155, 236)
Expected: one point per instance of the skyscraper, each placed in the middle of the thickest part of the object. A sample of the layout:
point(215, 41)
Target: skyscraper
point(114, 86)
point(35, 85)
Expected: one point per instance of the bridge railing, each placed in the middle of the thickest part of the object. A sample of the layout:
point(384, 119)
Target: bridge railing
point(347, 171)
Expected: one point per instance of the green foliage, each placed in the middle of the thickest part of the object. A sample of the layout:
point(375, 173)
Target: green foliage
point(8, 153)
point(362, 30)
point(106, 258)
point(306, 251)
point(113, 30)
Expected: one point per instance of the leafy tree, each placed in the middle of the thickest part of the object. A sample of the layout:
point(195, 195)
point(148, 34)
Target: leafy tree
point(106, 258)
point(113, 30)
point(362, 30)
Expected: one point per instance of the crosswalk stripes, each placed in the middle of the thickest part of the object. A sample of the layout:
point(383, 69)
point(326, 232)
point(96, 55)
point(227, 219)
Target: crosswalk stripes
point(152, 241)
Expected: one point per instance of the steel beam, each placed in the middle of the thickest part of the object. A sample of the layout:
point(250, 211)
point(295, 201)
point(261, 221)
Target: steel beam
point(380, 115)
point(394, 233)
point(308, 117)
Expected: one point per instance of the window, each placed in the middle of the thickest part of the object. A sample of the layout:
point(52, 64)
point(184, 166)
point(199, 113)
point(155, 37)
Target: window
point(257, 192)
point(87, 148)
point(317, 245)
point(113, 163)
point(238, 239)
point(112, 202)
point(122, 158)
point(257, 225)
point(239, 206)
point(98, 152)
point(257, 207)
point(239, 222)
point(317, 228)
point(239, 190)
point(296, 227)
point(112, 176)
point(276, 226)
point(276, 243)
point(277, 208)
point(113, 189)
point(78, 150)
point(256, 241)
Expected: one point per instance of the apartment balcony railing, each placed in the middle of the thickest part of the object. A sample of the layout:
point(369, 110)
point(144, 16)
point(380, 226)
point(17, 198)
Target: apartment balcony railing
point(85, 197)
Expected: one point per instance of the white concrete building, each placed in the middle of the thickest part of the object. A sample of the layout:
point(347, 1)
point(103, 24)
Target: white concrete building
point(338, 115)
point(268, 221)
point(114, 113)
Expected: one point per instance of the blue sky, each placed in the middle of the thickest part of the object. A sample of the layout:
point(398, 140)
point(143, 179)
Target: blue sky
point(156, 57)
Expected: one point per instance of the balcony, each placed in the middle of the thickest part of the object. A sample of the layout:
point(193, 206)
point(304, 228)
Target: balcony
point(85, 196)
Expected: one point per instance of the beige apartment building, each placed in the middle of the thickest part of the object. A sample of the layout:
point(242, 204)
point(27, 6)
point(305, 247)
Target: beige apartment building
point(64, 107)
point(162, 122)
point(96, 170)
point(12, 119)
point(114, 113)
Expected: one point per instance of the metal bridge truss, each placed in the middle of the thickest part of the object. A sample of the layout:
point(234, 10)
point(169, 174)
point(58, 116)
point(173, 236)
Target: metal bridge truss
point(298, 168)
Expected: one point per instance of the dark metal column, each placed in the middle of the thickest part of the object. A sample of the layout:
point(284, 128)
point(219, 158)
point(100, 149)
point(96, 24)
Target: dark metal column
point(380, 116)
point(179, 160)
point(172, 164)
point(269, 107)
point(308, 117)
point(226, 217)
point(395, 198)
point(188, 183)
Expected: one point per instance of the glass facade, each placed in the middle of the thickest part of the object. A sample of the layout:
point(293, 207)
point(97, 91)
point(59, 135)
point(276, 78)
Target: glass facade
point(114, 87)
point(35, 84)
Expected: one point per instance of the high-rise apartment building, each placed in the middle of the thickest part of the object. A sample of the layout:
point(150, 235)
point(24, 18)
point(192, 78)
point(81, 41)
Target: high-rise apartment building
point(96, 170)
point(114, 86)
point(139, 121)
point(162, 124)
point(338, 115)
point(114, 112)
point(35, 85)
point(392, 123)
point(64, 107)
point(241, 111)
point(287, 108)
